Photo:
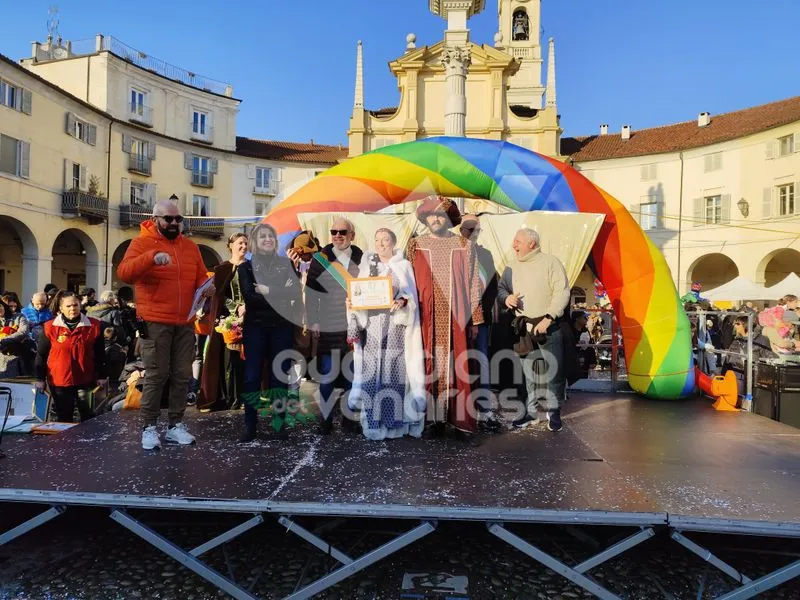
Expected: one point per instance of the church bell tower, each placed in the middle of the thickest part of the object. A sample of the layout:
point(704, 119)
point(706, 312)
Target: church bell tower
point(520, 36)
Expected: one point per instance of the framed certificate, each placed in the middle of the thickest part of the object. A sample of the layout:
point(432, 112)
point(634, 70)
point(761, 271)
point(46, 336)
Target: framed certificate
point(367, 293)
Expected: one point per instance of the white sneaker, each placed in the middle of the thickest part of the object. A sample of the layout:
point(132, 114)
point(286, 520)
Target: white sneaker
point(150, 439)
point(178, 435)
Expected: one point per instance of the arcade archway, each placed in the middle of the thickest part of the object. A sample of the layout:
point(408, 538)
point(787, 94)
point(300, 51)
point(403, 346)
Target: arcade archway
point(21, 269)
point(75, 261)
point(712, 270)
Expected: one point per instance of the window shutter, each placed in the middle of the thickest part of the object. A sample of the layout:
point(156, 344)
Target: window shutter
point(83, 177)
point(718, 160)
point(27, 101)
point(708, 163)
point(186, 200)
point(188, 160)
point(766, 205)
point(213, 166)
point(643, 175)
point(151, 150)
point(127, 143)
point(69, 126)
point(91, 134)
point(772, 149)
point(796, 146)
point(699, 216)
point(277, 174)
point(125, 192)
point(24, 160)
point(212, 207)
point(251, 171)
point(726, 209)
point(67, 174)
point(152, 194)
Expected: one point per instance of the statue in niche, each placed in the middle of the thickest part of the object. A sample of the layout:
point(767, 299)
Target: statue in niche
point(521, 26)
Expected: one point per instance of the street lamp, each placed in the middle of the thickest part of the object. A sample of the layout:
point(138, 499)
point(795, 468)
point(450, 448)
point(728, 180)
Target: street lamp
point(744, 207)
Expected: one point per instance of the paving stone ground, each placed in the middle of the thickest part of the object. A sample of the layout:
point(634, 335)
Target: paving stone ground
point(85, 555)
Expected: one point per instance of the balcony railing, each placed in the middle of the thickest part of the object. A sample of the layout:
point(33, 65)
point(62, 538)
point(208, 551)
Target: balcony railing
point(141, 114)
point(139, 164)
point(273, 188)
point(206, 137)
point(211, 227)
point(203, 178)
point(80, 204)
point(132, 215)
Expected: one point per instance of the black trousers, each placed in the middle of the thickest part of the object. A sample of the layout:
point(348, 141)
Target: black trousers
point(65, 399)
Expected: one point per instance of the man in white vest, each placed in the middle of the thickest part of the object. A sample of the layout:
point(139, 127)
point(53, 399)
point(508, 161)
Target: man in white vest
point(535, 287)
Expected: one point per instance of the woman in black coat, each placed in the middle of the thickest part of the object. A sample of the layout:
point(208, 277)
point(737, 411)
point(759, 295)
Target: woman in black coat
point(271, 290)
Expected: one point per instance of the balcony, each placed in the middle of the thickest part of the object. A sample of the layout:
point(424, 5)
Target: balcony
point(133, 215)
point(80, 204)
point(210, 227)
point(272, 188)
point(206, 137)
point(139, 164)
point(203, 178)
point(141, 114)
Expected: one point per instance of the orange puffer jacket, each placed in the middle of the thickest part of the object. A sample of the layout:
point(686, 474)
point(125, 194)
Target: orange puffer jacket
point(164, 293)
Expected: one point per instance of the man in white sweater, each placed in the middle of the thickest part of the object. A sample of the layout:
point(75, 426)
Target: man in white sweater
point(535, 286)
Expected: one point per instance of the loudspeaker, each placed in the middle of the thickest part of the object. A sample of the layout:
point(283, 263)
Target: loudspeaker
point(764, 402)
point(789, 408)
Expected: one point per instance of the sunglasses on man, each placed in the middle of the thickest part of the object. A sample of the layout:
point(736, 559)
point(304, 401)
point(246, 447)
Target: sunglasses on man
point(340, 231)
point(170, 218)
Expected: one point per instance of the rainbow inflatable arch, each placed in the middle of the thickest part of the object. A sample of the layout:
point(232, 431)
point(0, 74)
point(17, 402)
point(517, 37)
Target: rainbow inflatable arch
point(656, 332)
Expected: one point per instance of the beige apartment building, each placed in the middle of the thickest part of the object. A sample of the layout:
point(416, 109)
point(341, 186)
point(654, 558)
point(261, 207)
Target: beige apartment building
point(717, 194)
point(94, 133)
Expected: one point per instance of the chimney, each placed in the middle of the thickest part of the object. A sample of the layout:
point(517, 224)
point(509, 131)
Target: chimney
point(312, 141)
point(626, 132)
point(704, 119)
point(604, 129)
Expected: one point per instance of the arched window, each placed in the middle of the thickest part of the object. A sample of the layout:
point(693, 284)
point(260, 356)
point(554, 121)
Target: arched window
point(577, 295)
point(520, 30)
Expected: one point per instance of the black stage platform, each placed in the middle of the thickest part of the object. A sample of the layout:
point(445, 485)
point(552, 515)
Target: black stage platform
point(619, 461)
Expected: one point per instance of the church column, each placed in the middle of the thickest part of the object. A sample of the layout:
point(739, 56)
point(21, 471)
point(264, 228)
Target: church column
point(456, 63)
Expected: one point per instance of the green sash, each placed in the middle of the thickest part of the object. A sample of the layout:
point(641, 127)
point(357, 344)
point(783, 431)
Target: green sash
point(336, 269)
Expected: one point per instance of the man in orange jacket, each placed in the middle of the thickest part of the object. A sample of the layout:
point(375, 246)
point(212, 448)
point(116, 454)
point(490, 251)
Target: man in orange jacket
point(166, 270)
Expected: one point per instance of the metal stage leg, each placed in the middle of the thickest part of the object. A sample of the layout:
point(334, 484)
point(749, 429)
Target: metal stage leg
point(183, 557)
point(363, 562)
point(615, 550)
point(556, 565)
point(767, 582)
point(227, 536)
point(709, 557)
point(315, 540)
point(30, 524)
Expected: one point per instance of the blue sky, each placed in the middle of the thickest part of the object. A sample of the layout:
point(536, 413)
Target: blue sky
point(642, 62)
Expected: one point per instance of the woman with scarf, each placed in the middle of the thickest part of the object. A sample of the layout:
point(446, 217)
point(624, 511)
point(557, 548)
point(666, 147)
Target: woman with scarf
point(271, 292)
point(71, 357)
point(389, 374)
point(13, 341)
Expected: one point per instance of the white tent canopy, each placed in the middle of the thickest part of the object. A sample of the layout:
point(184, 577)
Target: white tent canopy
point(739, 288)
point(788, 285)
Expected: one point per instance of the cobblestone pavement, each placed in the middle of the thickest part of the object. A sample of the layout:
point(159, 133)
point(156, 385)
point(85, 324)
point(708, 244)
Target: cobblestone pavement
point(85, 555)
